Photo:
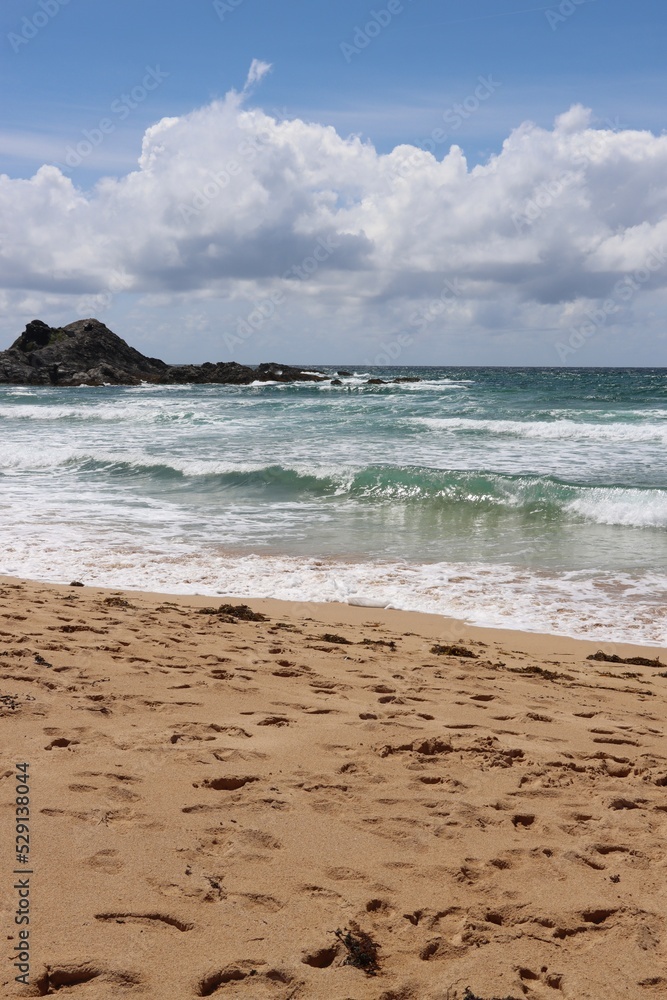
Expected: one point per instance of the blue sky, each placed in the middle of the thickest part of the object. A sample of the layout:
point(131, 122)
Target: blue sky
point(390, 72)
point(607, 54)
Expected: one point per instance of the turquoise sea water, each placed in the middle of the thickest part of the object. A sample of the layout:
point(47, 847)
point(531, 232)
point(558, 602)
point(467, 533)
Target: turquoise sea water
point(530, 498)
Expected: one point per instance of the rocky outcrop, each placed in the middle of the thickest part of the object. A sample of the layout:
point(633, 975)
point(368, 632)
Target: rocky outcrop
point(232, 373)
point(88, 353)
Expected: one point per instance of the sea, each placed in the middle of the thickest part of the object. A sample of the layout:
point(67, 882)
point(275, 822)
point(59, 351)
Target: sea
point(526, 498)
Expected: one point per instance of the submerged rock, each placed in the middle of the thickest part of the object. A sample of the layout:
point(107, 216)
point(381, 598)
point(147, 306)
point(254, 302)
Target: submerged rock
point(88, 353)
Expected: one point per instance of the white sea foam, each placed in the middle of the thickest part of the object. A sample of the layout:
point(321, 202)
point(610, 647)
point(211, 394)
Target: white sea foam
point(624, 607)
point(552, 430)
point(631, 508)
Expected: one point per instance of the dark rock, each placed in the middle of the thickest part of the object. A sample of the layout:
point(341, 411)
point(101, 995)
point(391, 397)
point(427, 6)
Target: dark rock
point(376, 381)
point(344, 374)
point(336, 381)
point(83, 353)
point(36, 334)
point(272, 372)
point(406, 378)
point(88, 353)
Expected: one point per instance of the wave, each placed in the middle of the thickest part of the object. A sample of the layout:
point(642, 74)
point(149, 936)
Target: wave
point(454, 492)
point(552, 430)
point(155, 412)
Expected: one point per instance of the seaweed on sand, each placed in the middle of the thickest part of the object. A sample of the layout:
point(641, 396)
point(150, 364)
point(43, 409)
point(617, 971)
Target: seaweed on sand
point(453, 651)
point(361, 949)
point(338, 639)
point(389, 643)
point(235, 612)
point(638, 661)
point(547, 675)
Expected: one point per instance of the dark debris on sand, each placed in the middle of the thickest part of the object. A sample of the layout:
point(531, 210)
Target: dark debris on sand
point(547, 675)
point(118, 602)
point(638, 661)
point(389, 643)
point(9, 701)
point(235, 613)
point(361, 949)
point(337, 639)
point(453, 651)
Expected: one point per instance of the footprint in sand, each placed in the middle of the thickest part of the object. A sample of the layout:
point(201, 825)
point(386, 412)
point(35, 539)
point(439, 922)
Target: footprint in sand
point(150, 919)
point(108, 817)
point(344, 875)
point(107, 861)
point(380, 907)
point(61, 741)
point(319, 892)
point(259, 839)
point(257, 901)
point(227, 784)
point(540, 983)
point(274, 983)
point(66, 975)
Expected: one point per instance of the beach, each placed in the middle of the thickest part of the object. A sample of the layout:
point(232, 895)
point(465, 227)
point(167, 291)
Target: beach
point(218, 785)
point(333, 501)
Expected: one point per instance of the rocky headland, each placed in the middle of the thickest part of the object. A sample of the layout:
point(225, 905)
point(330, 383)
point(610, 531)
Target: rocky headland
point(88, 353)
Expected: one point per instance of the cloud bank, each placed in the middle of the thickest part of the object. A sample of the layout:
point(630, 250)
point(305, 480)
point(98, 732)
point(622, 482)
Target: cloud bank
point(289, 225)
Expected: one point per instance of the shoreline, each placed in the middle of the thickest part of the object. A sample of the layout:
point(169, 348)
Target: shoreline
point(432, 625)
point(217, 785)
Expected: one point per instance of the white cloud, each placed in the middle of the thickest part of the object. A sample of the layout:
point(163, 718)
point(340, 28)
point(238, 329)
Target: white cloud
point(256, 73)
point(229, 205)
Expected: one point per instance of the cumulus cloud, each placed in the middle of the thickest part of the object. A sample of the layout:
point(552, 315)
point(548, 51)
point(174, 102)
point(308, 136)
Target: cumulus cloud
point(230, 203)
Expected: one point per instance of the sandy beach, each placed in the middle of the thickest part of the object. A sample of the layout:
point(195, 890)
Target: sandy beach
point(212, 798)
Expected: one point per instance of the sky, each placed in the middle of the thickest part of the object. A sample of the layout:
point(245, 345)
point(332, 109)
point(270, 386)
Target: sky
point(339, 182)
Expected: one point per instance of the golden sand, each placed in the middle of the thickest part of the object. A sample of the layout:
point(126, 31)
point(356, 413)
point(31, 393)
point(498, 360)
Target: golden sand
point(213, 798)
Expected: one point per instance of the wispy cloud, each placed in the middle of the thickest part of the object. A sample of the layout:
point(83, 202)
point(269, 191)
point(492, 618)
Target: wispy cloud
point(256, 73)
